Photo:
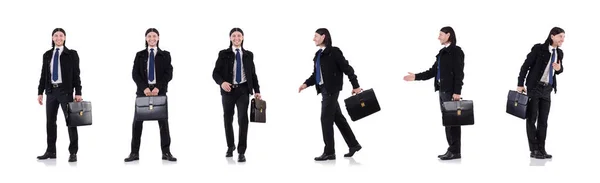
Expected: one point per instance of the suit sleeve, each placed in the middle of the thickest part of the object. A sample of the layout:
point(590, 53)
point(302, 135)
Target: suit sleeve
point(529, 62)
point(311, 79)
point(458, 69)
point(168, 74)
point(254, 77)
point(42, 84)
point(345, 67)
point(137, 75)
point(76, 73)
point(217, 70)
point(428, 74)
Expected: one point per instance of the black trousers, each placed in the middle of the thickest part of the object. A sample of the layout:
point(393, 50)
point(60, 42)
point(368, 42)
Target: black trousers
point(331, 113)
point(54, 98)
point(452, 132)
point(165, 137)
point(538, 109)
point(238, 97)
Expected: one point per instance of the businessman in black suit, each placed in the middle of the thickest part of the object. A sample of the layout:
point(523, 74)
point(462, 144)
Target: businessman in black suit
point(60, 75)
point(329, 67)
point(541, 66)
point(152, 72)
point(235, 73)
point(449, 75)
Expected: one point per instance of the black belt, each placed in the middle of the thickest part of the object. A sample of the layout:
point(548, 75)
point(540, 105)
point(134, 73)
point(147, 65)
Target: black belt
point(151, 85)
point(239, 85)
point(56, 85)
point(543, 83)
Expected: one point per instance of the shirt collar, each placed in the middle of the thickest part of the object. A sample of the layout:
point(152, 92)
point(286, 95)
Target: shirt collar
point(322, 48)
point(233, 48)
point(155, 49)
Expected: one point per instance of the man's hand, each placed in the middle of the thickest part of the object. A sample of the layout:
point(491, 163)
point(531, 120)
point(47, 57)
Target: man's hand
point(147, 92)
point(410, 77)
point(40, 99)
point(155, 92)
point(521, 89)
point(78, 98)
point(257, 96)
point(226, 86)
point(356, 91)
point(302, 87)
point(556, 65)
point(456, 97)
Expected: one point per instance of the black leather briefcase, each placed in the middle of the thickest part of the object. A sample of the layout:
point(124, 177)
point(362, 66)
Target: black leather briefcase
point(258, 111)
point(516, 104)
point(362, 105)
point(151, 108)
point(458, 113)
point(79, 113)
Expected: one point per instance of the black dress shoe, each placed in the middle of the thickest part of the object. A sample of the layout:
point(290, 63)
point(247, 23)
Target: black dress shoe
point(445, 154)
point(132, 157)
point(546, 155)
point(353, 150)
point(450, 156)
point(47, 155)
point(324, 157)
point(73, 158)
point(229, 152)
point(241, 158)
point(537, 155)
point(168, 157)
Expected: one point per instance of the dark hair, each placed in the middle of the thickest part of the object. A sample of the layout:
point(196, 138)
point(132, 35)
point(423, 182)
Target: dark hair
point(450, 30)
point(323, 31)
point(58, 30)
point(236, 29)
point(149, 31)
point(553, 32)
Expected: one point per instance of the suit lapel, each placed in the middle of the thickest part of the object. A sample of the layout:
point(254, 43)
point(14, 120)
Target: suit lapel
point(546, 54)
point(144, 58)
point(245, 60)
point(64, 62)
point(144, 64)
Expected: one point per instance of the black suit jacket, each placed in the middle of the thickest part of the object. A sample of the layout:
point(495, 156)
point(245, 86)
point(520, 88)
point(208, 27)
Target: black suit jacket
point(535, 65)
point(69, 65)
point(333, 66)
point(452, 63)
point(163, 69)
point(223, 71)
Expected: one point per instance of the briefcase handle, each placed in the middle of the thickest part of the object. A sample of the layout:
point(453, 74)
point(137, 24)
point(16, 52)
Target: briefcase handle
point(458, 99)
point(361, 90)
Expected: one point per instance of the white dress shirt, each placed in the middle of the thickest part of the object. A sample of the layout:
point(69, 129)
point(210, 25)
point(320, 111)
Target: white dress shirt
point(61, 48)
point(321, 69)
point(545, 76)
point(148, 65)
point(235, 65)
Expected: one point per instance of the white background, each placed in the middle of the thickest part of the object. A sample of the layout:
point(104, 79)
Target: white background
point(383, 40)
